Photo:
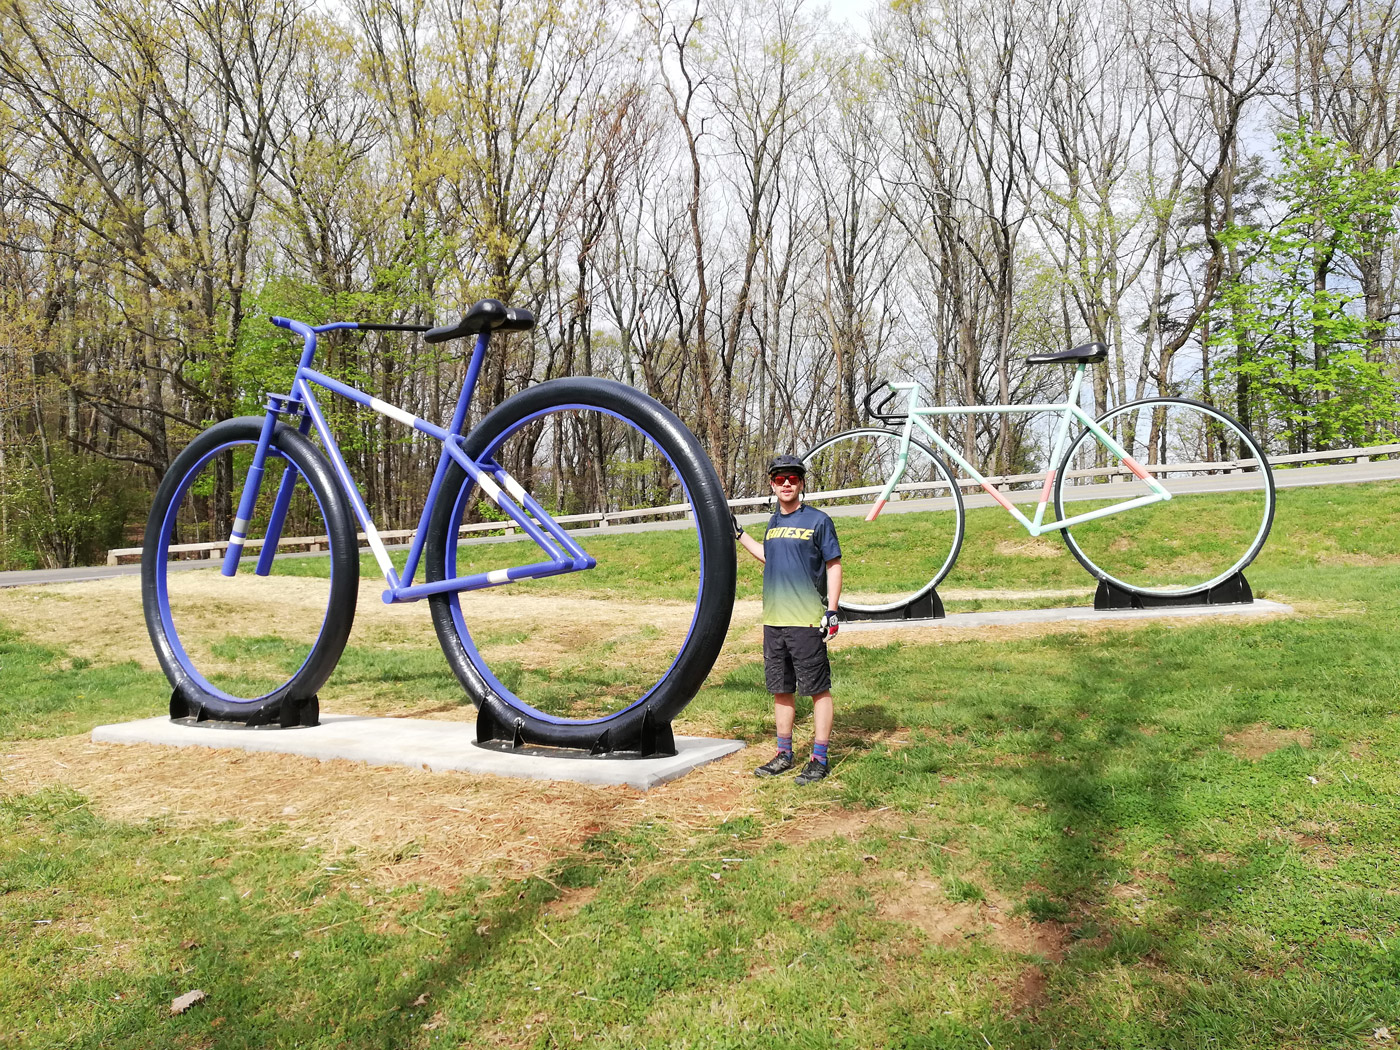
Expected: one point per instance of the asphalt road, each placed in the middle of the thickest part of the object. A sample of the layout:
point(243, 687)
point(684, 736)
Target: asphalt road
point(1343, 474)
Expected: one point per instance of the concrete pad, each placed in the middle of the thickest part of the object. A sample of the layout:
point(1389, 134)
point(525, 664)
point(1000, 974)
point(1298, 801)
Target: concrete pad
point(430, 743)
point(1015, 617)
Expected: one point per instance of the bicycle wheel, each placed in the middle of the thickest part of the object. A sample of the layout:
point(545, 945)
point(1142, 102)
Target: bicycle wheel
point(903, 554)
point(588, 659)
point(247, 648)
point(1213, 526)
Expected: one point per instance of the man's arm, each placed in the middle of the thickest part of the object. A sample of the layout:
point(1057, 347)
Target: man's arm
point(751, 545)
point(748, 542)
point(833, 584)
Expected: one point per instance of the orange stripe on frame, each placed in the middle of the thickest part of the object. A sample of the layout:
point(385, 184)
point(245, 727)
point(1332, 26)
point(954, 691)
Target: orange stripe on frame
point(1135, 467)
point(991, 491)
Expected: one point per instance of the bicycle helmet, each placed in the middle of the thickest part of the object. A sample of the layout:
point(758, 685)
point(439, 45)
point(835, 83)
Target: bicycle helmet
point(785, 465)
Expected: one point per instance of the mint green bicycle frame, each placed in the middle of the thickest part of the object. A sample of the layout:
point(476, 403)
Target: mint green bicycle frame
point(1068, 410)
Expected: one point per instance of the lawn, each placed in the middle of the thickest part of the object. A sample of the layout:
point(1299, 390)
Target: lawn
point(1144, 836)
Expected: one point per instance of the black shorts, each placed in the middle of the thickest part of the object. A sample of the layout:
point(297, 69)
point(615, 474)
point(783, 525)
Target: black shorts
point(794, 660)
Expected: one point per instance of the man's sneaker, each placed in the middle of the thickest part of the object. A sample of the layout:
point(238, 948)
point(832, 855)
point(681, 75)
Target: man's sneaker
point(812, 772)
point(779, 763)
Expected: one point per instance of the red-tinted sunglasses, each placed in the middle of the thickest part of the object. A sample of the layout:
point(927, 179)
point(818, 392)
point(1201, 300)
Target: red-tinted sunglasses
point(786, 479)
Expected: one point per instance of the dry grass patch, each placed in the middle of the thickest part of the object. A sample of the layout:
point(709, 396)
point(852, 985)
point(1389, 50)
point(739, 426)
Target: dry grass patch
point(408, 826)
point(1011, 595)
point(1031, 547)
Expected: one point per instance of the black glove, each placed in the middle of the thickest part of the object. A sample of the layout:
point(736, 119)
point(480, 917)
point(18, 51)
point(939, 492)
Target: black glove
point(830, 625)
point(738, 529)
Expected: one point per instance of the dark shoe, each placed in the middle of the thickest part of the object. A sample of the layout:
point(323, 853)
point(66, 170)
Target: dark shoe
point(779, 763)
point(812, 772)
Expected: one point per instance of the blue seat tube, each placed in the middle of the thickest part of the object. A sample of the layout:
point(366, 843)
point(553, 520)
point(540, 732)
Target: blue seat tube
point(454, 431)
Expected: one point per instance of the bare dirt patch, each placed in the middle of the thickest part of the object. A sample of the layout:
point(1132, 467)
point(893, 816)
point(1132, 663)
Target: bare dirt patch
point(406, 826)
point(1256, 741)
point(814, 825)
point(1027, 992)
point(921, 902)
point(571, 902)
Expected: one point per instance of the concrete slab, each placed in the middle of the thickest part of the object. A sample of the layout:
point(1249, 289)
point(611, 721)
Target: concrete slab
point(430, 743)
point(1015, 617)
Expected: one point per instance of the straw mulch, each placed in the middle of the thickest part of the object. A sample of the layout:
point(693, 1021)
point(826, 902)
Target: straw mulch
point(405, 826)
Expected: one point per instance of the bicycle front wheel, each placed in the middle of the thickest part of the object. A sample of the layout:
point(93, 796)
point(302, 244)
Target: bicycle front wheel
point(1214, 525)
point(904, 553)
point(239, 648)
point(588, 656)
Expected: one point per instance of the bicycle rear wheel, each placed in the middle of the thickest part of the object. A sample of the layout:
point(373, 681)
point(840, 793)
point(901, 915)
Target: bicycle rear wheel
point(588, 656)
point(1214, 525)
point(245, 647)
point(904, 553)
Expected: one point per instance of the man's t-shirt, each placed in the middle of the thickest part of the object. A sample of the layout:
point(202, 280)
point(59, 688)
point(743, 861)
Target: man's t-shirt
point(795, 552)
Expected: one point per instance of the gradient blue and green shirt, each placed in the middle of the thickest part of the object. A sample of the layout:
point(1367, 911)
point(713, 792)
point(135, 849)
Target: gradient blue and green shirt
point(796, 549)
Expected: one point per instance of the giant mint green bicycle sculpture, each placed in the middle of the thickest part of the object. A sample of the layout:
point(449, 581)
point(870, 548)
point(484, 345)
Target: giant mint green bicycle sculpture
point(1179, 496)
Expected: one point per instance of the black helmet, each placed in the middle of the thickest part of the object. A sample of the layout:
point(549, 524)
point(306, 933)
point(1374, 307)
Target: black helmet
point(785, 464)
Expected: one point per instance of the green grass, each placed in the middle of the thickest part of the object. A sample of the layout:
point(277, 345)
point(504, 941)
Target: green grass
point(1183, 894)
point(48, 693)
point(1349, 523)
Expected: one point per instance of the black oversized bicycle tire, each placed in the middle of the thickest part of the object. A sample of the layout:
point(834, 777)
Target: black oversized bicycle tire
point(959, 507)
point(345, 574)
point(678, 686)
point(1250, 554)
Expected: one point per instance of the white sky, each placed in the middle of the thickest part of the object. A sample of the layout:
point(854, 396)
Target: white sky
point(853, 12)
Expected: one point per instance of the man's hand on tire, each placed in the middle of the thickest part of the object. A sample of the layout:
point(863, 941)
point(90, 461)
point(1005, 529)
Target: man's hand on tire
point(830, 624)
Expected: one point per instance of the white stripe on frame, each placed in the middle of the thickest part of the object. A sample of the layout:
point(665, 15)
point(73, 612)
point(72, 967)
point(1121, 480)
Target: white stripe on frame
point(492, 490)
point(393, 411)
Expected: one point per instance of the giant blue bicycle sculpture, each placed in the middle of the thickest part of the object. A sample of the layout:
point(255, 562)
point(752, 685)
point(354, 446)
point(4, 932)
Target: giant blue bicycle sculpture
point(270, 672)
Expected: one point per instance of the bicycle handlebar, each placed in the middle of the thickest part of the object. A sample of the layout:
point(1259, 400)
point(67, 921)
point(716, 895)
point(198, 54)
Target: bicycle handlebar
point(880, 413)
point(488, 315)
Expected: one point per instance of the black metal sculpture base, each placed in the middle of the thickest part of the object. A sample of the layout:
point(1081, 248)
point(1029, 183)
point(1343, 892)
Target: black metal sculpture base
point(291, 714)
point(1233, 590)
point(653, 739)
point(925, 607)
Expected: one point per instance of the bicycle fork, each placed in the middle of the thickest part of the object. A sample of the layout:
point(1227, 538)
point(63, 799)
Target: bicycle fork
point(252, 488)
point(902, 461)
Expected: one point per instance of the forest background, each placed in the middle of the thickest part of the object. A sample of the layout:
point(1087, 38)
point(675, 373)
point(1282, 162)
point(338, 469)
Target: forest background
point(744, 207)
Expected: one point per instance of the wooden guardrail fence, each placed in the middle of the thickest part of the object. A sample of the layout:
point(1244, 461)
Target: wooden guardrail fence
point(214, 550)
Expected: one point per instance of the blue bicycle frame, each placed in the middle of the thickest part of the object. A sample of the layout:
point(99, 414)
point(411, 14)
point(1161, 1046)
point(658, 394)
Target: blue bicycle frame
point(562, 553)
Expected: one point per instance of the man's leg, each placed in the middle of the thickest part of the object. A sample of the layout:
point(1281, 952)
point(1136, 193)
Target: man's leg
point(816, 672)
point(823, 715)
point(823, 712)
point(785, 713)
point(778, 674)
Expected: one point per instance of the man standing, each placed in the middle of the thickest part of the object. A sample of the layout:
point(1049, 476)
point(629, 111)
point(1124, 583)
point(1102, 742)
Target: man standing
point(801, 592)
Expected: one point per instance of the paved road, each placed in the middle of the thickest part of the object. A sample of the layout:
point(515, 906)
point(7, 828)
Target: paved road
point(1344, 474)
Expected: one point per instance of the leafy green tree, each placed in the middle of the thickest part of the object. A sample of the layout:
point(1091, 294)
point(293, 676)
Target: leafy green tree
point(1292, 324)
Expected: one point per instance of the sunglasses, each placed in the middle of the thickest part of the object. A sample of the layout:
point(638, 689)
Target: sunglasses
point(786, 479)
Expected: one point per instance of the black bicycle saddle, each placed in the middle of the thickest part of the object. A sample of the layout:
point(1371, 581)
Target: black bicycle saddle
point(1088, 354)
